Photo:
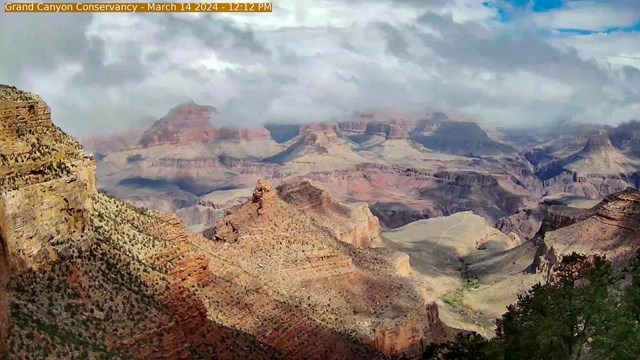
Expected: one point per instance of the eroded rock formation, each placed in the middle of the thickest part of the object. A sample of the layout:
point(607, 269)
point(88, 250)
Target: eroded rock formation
point(352, 223)
point(191, 122)
point(46, 182)
point(300, 220)
point(609, 228)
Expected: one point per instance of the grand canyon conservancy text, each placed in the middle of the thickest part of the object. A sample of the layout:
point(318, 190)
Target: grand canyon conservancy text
point(71, 7)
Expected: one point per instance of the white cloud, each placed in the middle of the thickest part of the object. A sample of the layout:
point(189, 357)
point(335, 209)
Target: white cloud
point(587, 15)
point(468, 10)
point(615, 49)
point(312, 60)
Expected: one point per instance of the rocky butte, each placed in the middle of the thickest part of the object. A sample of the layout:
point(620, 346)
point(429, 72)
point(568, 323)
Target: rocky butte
point(84, 275)
point(191, 122)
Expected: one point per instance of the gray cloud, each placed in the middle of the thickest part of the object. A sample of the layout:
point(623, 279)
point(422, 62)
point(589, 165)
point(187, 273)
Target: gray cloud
point(39, 42)
point(396, 43)
point(95, 70)
point(104, 73)
point(214, 32)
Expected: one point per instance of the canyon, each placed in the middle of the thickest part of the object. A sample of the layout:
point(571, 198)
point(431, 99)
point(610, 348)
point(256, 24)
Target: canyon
point(404, 166)
point(368, 238)
point(87, 275)
point(409, 172)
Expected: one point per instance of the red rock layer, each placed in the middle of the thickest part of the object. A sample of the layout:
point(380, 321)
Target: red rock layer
point(305, 195)
point(231, 134)
point(322, 265)
point(612, 230)
point(394, 129)
point(390, 130)
point(356, 126)
point(405, 339)
point(319, 134)
point(621, 209)
point(184, 123)
point(191, 122)
point(351, 223)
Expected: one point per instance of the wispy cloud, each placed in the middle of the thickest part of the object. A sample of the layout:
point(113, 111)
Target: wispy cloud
point(587, 15)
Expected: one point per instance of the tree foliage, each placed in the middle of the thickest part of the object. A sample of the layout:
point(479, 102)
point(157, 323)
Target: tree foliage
point(587, 311)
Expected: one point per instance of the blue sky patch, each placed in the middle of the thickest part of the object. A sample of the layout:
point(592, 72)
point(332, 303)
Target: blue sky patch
point(510, 10)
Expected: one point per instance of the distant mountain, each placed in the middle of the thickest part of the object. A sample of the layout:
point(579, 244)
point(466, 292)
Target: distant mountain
point(627, 138)
point(462, 138)
point(594, 171)
point(191, 122)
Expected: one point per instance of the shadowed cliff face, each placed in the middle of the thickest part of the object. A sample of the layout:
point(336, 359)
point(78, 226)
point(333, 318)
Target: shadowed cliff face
point(462, 138)
point(589, 165)
point(282, 133)
point(4, 302)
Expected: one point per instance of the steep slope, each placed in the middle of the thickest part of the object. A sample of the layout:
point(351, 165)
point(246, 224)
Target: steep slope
point(39, 165)
point(92, 277)
point(282, 133)
point(609, 228)
point(430, 122)
point(191, 123)
point(126, 292)
point(289, 244)
point(599, 156)
point(443, 251)
point(352, 223)
point(627, 138)
point(363, 131)
point(184, 123)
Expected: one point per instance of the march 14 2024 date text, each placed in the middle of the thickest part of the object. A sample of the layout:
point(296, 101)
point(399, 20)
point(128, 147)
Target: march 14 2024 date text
point(195, 7)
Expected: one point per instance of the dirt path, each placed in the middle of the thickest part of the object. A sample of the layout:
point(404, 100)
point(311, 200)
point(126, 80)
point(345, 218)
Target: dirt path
point(464, 216)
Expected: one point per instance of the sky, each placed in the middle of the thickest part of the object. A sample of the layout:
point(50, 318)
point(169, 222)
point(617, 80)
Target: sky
point(520, 63)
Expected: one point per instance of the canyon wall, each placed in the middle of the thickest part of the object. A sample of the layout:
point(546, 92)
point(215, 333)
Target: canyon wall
point(406, 340)
point(46, 182)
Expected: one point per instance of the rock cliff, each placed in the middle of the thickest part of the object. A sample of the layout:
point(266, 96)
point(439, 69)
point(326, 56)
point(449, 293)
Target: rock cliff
point(362, 129)
point(462, 138)
point(191, 122)
point(46, 182)
point(352, 223)
point(296, 217)
point(609, 228)
point(525, 223)
point(596, 170)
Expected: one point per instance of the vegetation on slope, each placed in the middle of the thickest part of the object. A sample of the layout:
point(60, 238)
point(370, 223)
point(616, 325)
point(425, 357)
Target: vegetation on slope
point(589, 310)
